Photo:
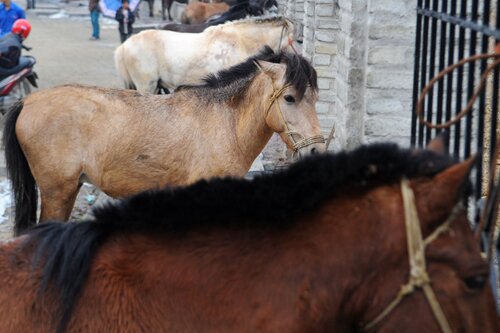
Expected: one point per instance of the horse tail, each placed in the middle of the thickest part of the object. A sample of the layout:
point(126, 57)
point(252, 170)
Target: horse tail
point(122, 69)
point(19, 172)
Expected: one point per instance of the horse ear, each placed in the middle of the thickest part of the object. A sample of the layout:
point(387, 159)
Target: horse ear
point(438, 144)
point(455, 177)
point(443, 192)
point(265, 66)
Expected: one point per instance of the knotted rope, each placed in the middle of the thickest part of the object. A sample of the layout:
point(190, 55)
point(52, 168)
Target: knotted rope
point(419, 278)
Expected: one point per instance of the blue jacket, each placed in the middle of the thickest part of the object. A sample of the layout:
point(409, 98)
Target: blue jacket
point(8, 17)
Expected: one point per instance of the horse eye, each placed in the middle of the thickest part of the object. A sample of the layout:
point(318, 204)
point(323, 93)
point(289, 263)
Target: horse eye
point(289, 98)
point(476, 282)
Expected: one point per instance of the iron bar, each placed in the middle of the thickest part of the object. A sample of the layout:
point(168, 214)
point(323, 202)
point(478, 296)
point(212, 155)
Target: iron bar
point(460, 21)
point(424, 68)
point(416, 68)
point(432, 60)
point(449, 83)
point(460, 75)
point(442, 53)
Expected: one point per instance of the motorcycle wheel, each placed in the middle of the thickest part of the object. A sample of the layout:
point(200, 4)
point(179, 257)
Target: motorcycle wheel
point(17, 93)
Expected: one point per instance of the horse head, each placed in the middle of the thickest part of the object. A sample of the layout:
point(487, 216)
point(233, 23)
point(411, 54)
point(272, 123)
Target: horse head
point(291, 111)
point(422, 270)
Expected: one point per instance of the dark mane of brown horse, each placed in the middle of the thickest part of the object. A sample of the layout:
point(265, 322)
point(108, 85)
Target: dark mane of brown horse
point(269, 203)
point(299, 73)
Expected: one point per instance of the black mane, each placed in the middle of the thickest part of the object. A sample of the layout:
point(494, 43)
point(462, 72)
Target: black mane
point(299, 73)
point(269, 202)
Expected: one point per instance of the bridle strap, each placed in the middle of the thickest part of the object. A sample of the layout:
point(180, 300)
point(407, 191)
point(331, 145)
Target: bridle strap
point(419, 277)
point(303, 142)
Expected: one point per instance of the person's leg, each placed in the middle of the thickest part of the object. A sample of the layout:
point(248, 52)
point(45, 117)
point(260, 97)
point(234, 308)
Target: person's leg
point(98, 27)
point(123, 37)
point(94, 17)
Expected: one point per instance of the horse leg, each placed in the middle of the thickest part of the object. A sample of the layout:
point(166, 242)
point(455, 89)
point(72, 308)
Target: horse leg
point(58, 199)
point(167, 4)
point(151, 7)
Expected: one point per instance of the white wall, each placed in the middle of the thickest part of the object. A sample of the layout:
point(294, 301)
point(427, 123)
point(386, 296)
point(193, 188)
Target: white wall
point(363, 52)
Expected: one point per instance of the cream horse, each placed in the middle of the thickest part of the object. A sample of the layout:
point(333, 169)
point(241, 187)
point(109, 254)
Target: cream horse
point(125, 142)
point(155, 59)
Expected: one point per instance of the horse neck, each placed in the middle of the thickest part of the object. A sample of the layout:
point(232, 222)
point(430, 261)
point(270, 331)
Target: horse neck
point(252, 131)
point(253, 37)
point(344, 237)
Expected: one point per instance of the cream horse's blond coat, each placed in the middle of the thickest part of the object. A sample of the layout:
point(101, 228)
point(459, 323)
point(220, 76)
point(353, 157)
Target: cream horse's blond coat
point(125, 142)
point(168, 59)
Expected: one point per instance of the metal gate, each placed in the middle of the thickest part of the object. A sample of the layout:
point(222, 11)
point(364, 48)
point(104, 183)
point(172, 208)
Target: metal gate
point(447, 31)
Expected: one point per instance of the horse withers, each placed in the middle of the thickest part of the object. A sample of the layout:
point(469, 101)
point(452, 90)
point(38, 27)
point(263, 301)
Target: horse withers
point(124, 141)
point(155, 59)
point(321, 247)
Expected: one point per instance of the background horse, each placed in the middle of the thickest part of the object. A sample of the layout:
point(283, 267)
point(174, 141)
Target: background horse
point(165, 4)
point(199, 12)
point(154, 59)
point(238, 11)
point(125, 142)
point(321, 247)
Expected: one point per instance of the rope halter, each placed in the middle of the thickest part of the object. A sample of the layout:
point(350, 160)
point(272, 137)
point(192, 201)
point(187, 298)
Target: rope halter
point(303, 142)
point(419, 278)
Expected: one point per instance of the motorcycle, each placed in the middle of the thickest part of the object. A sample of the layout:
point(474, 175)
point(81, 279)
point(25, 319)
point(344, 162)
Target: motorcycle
point(16, 82)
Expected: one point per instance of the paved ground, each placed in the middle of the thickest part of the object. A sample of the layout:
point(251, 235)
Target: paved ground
point(64, 53)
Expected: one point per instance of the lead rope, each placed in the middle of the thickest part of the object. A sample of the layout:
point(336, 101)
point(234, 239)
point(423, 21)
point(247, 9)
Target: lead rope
point(416, 257)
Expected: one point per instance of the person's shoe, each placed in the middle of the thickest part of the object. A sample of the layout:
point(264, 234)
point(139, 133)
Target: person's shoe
point(94, 38)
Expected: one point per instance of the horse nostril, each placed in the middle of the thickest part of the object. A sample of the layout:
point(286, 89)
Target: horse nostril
point(314, 150)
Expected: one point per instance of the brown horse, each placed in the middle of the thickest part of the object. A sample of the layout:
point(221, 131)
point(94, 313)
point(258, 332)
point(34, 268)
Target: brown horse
point(199, 12)
point(321, 247)
point(165, 5)
point(125, 142)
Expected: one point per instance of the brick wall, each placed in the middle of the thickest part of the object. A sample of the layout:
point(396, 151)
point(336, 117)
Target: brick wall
point(363, 52)
point(389, 81)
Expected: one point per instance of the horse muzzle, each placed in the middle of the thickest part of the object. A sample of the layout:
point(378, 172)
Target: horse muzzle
point(307, 146)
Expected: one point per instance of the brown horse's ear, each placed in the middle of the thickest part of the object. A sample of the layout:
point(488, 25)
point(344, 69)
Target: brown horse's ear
point(455, 177)
point(448, 184)
point(437, 144)
point(442, 193)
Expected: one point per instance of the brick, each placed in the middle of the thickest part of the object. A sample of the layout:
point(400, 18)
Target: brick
point(389, 79)
point(324, 83)
point(325, 36)
point(391, 54)
point(324, 10)
point(392, 6)
point(327, 96)
point(322, 108)
point(387, 126)
point(384, 106)
point(326, 72)
point(330, 48)
point(332, 23)
point(322, 59)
